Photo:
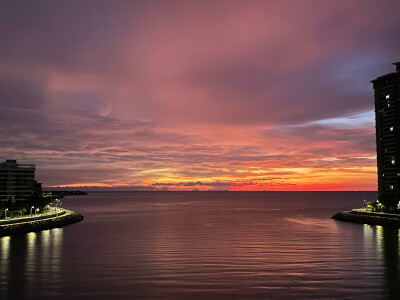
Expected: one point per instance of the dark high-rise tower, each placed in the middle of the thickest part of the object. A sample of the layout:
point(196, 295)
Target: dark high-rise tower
point(17, 181)
point(387, 115)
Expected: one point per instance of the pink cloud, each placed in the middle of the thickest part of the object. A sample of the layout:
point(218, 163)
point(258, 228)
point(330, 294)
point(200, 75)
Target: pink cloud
point(179, 92)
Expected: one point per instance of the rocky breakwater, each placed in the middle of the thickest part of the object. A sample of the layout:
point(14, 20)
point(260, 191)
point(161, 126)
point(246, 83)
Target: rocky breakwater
point(69, 217)
point(372, 218)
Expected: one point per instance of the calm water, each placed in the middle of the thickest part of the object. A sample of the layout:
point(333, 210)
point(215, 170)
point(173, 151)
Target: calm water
point(205, 245)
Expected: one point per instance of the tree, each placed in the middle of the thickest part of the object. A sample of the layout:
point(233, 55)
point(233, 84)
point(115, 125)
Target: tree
point(389, 202)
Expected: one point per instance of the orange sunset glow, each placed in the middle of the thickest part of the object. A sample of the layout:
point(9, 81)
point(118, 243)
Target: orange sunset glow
point(195, 95)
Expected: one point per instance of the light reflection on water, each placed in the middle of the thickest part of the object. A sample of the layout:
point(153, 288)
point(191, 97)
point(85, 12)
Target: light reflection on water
point(384, 243)
point(5, 252)
point(205, 245)
point(29, 260)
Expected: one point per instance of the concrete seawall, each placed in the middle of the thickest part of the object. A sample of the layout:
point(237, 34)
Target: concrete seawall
point(357, 216)
point(67, 218)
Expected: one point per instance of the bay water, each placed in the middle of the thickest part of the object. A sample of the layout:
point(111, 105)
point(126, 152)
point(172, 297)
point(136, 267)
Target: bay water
point(205, 245)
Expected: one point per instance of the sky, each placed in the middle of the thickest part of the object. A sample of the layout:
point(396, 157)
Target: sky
point(195, 95)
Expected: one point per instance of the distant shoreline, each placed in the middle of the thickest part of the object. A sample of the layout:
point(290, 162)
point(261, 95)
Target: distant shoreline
point(89, 191)
point(69, 217)
point(361, 216)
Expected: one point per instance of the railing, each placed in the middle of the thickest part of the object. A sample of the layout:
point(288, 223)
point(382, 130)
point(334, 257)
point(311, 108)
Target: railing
point(28, 219)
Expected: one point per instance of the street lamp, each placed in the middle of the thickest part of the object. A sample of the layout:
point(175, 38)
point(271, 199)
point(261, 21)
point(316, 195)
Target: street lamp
point(31, 210)
point(37, 209)
point(379, 206)
point(5, 213)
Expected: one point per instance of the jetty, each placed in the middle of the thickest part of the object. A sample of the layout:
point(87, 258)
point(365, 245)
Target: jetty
point(362, 216)
point(39, 222)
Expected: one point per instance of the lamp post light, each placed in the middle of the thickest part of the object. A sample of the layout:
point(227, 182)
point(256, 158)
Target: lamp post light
point(37, 209)
point(379, 206)
point(5, 213)
point(31, 210)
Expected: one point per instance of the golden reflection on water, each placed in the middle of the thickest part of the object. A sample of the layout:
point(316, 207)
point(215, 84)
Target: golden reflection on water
point(4, 245)
point(379, 236)
point(5, 252)
point(55, 251)
point(23, 255)
point(30, 254)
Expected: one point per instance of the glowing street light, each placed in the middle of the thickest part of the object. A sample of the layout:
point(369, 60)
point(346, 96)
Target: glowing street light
point(57, 204)
point(36, 210)
point(5, 213)
point(31, 210)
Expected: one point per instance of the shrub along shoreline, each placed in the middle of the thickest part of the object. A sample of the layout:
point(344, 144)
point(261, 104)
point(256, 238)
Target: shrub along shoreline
point(69, 217)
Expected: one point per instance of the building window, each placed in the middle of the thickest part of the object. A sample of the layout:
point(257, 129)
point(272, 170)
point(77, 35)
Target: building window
point(388, 104)
point(393, 161)
point(387, 96)
point(383, 175)
point(391, 128)
point(391, 187)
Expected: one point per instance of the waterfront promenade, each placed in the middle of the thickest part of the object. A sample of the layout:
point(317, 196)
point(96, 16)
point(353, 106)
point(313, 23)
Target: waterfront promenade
point(33, 217)
point(39, 222)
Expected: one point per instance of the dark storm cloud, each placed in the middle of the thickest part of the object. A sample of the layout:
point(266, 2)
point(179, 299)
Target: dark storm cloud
point(78, 35)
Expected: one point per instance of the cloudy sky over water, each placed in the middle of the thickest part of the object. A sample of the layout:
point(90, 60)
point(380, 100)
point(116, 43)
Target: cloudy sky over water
point(184, 95)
